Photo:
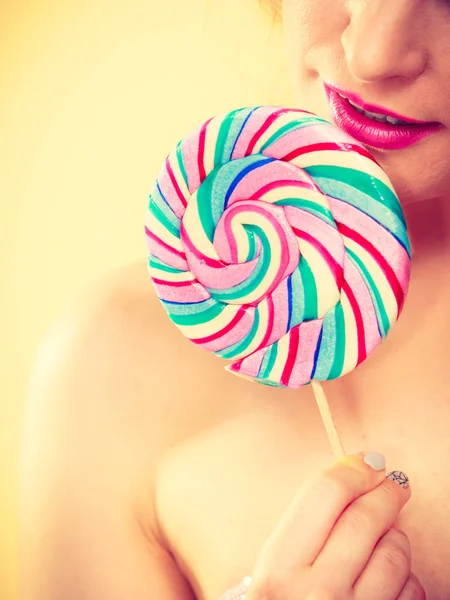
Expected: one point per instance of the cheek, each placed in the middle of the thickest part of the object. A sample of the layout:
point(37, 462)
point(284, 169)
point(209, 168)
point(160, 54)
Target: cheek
point(310, 25)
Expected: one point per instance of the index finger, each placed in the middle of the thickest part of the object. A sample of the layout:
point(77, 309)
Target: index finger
point(307, 522)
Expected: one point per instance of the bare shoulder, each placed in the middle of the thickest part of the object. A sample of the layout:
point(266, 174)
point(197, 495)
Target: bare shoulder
point(109, 363)
point(101, 412)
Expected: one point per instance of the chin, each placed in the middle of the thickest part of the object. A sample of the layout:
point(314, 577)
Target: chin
point(416, 177)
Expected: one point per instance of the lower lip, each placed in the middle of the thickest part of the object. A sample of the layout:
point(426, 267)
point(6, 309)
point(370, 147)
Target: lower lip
point(382, 136)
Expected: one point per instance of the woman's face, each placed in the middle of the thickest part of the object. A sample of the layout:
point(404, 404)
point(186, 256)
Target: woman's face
point(391, 54)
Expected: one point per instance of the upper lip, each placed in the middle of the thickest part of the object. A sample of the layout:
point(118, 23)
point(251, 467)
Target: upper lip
point(373, 108)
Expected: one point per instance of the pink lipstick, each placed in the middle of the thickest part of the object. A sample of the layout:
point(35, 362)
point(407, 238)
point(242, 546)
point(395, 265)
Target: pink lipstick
point(379, 130)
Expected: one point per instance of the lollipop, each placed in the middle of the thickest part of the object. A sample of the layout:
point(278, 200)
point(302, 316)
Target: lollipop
point(277, 241)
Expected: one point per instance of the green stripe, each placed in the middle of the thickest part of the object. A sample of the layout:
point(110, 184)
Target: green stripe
point(383, 320)
point(198, 317)
point(368, 184)
point(156, 264)
point(204, 193)
point(164, 220)
point(339, 350)
point(310, 207)
point(269, 360)
point(310, 290)
point(222, 137)
point(252, 249)
point(179, 152)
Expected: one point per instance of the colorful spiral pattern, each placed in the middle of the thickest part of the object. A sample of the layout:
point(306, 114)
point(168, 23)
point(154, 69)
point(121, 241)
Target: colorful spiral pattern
point(276, 240)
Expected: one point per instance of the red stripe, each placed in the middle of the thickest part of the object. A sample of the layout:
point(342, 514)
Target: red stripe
point(327, 146)
point(175, 283)
point(154, 237)
point(335, 267)
point(175, 184)
point(273, 185)
point(292, 355)
point(201, 151)
point(379, 258)
point(362, 352)
point(238, 317)
point(267, 123)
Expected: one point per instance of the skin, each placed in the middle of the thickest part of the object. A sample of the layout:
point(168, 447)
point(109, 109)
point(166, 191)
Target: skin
point(183, 484)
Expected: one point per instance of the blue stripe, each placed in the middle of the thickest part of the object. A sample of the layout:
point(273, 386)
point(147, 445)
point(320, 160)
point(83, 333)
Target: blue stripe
point(289, 284)
point(316, 354)
point(163, 198)
point(241, 176)
point(184, 303)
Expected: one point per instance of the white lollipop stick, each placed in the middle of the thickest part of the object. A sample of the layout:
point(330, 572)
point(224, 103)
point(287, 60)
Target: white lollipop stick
point(327, 418)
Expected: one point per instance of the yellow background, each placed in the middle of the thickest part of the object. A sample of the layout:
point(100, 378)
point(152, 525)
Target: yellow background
point(93, 96)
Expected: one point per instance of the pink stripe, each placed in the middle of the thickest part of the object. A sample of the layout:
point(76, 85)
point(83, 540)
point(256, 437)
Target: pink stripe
point(385, 243)
point(250, 365)
point(300, 360)
point(212, 273)
point(309, 333)
point(194, 292)
point(190, 150)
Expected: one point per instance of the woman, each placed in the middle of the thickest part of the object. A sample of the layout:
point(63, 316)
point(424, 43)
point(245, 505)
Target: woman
point(138, 484)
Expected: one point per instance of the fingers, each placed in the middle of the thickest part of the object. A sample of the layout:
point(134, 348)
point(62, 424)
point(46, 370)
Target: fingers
point(305, 526)
point(388, 569)
point(358, 530)
point(413, 590)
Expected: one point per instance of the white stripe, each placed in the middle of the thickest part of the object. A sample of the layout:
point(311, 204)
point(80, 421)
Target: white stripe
point(212, 133)
point(281, 359)
point(156, 227)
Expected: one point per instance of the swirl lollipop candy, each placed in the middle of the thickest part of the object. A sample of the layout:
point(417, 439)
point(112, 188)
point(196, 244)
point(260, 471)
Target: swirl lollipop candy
point(277, 241)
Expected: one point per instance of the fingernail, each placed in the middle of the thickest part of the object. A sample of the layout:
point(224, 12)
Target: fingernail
point(375, 460)
point(400, 478)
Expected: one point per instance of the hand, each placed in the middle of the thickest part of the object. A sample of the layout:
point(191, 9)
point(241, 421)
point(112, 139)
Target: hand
point(336, 541)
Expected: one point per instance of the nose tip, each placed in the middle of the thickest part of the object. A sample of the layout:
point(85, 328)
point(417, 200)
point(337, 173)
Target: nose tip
point(376, 49)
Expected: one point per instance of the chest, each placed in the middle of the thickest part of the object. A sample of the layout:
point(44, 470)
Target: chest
point(220, 495)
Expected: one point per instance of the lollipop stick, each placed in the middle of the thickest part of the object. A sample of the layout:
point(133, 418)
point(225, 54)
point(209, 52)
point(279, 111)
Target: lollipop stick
point(325, 413)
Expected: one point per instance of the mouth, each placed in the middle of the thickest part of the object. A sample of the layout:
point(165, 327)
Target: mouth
point(375, 126)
